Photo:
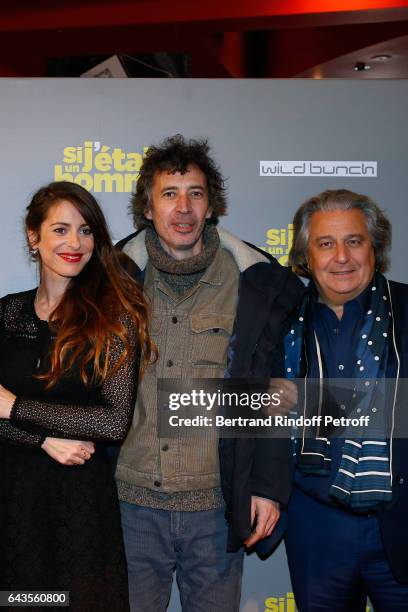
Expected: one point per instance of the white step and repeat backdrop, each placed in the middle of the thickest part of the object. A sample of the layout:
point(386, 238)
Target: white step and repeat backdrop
point(278, 142)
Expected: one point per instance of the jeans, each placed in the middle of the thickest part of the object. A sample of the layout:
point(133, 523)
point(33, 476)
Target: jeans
point(193, 544)
point(337, 558)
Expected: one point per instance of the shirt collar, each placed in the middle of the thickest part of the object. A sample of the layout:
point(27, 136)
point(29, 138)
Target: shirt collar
point(361, 302)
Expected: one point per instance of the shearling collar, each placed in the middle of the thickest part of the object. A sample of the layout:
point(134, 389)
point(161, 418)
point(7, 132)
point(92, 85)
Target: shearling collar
point(244, 256)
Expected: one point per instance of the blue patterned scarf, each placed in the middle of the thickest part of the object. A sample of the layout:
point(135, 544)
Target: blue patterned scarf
point(363, 479)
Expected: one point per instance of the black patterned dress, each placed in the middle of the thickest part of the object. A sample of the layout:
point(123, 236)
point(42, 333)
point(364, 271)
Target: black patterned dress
point(60, 525)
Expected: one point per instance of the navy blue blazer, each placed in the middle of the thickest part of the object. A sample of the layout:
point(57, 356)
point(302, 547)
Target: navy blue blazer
point(393, 519)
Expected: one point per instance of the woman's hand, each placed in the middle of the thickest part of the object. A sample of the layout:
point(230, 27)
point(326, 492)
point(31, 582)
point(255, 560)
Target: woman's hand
point(68, 452)
point(6, 402)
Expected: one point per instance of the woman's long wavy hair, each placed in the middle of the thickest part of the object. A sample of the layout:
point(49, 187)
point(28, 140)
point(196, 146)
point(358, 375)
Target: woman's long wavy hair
point(91, 311)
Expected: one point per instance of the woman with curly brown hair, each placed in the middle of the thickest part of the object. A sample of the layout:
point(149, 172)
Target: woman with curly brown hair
point(70, 352)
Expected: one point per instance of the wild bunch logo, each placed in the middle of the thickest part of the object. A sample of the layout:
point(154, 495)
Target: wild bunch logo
point(100, 168)
point(278, 243)
point(367, 169)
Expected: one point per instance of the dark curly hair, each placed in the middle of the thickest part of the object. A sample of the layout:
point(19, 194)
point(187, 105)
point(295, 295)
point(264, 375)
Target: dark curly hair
point(176, 154)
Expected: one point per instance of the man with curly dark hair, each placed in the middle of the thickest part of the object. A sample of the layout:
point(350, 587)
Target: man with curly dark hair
point(218, 306)
point(175, 155)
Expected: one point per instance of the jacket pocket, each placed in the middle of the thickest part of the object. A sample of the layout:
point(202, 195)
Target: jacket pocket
point(210, 336)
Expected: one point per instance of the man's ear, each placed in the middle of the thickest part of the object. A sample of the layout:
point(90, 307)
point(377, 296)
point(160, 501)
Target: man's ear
point(148, 213)
point(209, 213)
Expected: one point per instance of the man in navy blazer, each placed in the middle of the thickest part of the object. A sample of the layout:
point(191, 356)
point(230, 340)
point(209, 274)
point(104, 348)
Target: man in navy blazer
point(347, 529)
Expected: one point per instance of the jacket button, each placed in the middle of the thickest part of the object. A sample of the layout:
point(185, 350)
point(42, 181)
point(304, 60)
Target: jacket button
point(169, 363)
point(174, 319)
point(165, 447)
point(157, 483)
point(401, 480)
